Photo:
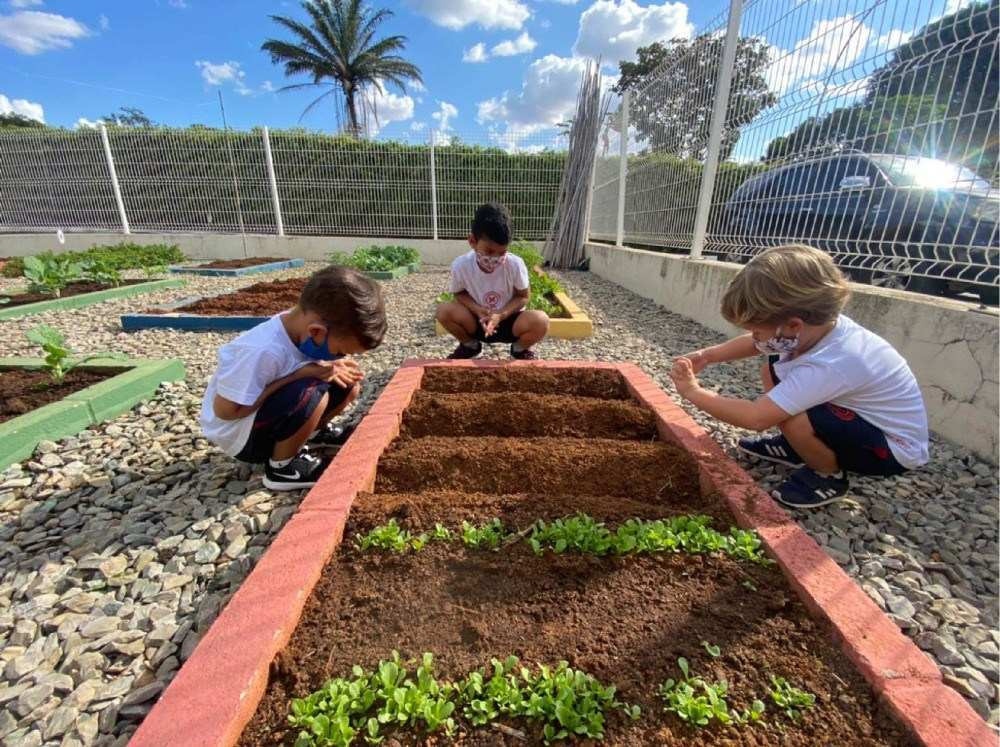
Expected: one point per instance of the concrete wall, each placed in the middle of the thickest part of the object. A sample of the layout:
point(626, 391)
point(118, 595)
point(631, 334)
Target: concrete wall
point(230, 246)
point(952, 347)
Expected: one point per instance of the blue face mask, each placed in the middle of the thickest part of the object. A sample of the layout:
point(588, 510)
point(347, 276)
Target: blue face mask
point(310, 349)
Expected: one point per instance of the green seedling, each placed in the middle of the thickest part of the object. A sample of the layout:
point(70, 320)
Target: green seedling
point(694, 700)
point(441, 533)
point(58, 361)
point(713, 651)
point(790, 699)
point(391, 538)
point(49, 273)
point(154, 270)
point(488, 536)
point(752, 715)
point(376, 258)
point(101, 270)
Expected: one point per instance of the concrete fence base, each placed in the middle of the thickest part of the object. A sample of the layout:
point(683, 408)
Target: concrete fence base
point(952, 347)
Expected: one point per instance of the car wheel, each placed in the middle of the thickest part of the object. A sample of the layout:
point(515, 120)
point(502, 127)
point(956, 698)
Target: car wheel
point(896, 273)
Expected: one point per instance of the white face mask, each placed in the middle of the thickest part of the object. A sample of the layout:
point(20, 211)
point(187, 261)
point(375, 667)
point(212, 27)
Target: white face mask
point(489, 264)
point(777, 345)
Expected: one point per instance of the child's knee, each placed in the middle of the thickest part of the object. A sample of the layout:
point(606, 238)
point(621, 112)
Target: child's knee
point(538, 321)
point(765, 376)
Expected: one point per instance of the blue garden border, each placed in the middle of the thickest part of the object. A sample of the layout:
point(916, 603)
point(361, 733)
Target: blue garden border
point(286, 264)
point(190, 322)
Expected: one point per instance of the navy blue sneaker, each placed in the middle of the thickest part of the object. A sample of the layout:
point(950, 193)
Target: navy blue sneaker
point(773, 449)
point(808, 489)
point(332, 435)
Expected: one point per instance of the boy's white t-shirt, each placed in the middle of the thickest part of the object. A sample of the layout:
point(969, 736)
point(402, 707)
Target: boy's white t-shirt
point(853, 367)
point(494, 290)
point(247, 365)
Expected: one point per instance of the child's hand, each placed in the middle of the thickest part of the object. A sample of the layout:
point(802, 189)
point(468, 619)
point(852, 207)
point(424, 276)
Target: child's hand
point(683, 376)
point(490, 324)
point(346, 372)
point(698, 360)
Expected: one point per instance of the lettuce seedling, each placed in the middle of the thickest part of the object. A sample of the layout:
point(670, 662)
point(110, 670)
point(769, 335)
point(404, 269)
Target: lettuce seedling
point(789, 698)
point(391, 538)
point(694, 700)
point(488, 536)
point(57, 361)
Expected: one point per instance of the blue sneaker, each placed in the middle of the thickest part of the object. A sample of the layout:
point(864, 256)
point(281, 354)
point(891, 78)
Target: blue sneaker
point(808, 489)
point(773, 449)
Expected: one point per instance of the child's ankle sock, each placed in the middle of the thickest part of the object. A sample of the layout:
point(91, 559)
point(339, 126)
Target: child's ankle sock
point(280, 462)
point(518, 347)
point(838, 475)
point(471, 344)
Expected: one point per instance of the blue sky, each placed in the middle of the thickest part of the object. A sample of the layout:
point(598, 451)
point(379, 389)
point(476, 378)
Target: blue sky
point(496, 65)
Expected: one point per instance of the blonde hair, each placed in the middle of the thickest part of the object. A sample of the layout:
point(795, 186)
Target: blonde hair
point(785, 282)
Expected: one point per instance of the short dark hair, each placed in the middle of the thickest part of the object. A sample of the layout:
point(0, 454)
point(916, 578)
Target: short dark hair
point(492, 221)
point(348, 302)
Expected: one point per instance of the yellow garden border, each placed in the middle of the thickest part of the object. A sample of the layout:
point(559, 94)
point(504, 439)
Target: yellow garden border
point(576, 327)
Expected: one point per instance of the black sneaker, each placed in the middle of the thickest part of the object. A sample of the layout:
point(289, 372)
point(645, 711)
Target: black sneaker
point(302, 472)
point(807, 489)
point(464, 352)
point(332, 435)
point(773, 449)
point(523, 355)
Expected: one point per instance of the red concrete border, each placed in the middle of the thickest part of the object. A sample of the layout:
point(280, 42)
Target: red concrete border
point(218, 689)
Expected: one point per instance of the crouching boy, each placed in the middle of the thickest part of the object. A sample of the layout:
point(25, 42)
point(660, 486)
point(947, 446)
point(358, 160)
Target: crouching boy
point(278, 385)
point(491, 291)
point(843, 399)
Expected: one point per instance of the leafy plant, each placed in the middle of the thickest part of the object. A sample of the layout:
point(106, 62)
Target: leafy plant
point(57, 361)
point(694, 700)
point(789, 698)
point(713, 651)
point(124, 256)
point(752, 715)
point(101, 270)
point(376, 258)
point(488, 536)
point(151, 271)
point(392, 538)
point(50, 273)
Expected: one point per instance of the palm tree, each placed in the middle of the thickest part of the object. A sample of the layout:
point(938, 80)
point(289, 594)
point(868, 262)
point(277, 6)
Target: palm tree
point(339, 49)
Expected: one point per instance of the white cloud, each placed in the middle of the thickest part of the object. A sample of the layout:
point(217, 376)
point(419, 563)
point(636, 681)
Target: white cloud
point(444, 115)
point(177, 4)
point(521, 45)
point(104, 22)
point(475, 53)
point(953, 6)
point(32, 31)
point(418, 126)
point(545, 23)
point(488, 14)
point(547, 95)
point(388, 107)
point(221, 73)
point(832, 44)
point(86, 124)
point(29, 109)
point(893, 39)
point(614, 29)
point(25, 3)
point(267, 87)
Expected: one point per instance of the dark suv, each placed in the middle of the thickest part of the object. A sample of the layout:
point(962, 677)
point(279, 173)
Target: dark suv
point(899, 221)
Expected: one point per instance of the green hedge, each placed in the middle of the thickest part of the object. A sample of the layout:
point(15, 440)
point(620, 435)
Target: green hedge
point(124, 256)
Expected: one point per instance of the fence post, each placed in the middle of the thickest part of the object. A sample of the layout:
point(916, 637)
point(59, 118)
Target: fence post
point(622, 170)
point(719, 108)
point(275, 201)
point(434, 191)
point(114, 180)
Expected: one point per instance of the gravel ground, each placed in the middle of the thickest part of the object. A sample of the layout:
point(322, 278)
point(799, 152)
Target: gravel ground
point(118, 547)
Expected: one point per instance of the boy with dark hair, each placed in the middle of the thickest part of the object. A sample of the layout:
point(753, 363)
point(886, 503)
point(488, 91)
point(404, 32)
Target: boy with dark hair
point(491, 291)
point(279, 384)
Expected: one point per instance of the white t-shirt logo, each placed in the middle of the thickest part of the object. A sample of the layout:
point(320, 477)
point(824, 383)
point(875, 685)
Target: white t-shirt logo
point(492, 300)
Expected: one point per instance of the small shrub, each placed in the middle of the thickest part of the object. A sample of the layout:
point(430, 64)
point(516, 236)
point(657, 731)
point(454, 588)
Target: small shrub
point(50, 273)
point(376, 258)
point(57, 361)
point(124, 256)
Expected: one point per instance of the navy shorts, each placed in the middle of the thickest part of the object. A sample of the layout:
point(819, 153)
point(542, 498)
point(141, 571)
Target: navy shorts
point(503, 333)
point(860, 446)
point(284, 413)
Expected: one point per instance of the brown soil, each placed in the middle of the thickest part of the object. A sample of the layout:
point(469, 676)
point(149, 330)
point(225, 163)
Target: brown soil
point(73, 289)
point(522, 414)
point(235, 264)
point(259, 299)
point(23, 391)
point(572, 382)
point(624, 620)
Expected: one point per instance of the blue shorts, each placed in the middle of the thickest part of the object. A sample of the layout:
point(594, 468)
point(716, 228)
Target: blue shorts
point(860, 446)
point(284, 413)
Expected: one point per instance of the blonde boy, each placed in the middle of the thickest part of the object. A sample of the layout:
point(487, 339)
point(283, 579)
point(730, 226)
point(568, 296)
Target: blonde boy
point(842, 397)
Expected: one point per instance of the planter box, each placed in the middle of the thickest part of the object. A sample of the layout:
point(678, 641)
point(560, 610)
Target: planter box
point(86, 299)
point(189, 322)
point(200, 707)
point(393, 274)
point(576, 327)
point(234, 272)
point(138, 380)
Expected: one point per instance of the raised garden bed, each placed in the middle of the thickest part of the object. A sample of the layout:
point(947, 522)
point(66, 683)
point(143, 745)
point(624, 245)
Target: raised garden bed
point(237, 267)
point(587, 438)
point(77, 295)
point(380, 262)
point(34, 409)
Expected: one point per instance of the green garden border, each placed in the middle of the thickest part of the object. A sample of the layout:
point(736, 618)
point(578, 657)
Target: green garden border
point(86, 299)
point(138, 380)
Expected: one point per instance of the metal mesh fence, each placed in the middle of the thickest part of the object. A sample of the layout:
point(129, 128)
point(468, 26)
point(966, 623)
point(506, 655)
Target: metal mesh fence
point(206, 180)
point(867, 128)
